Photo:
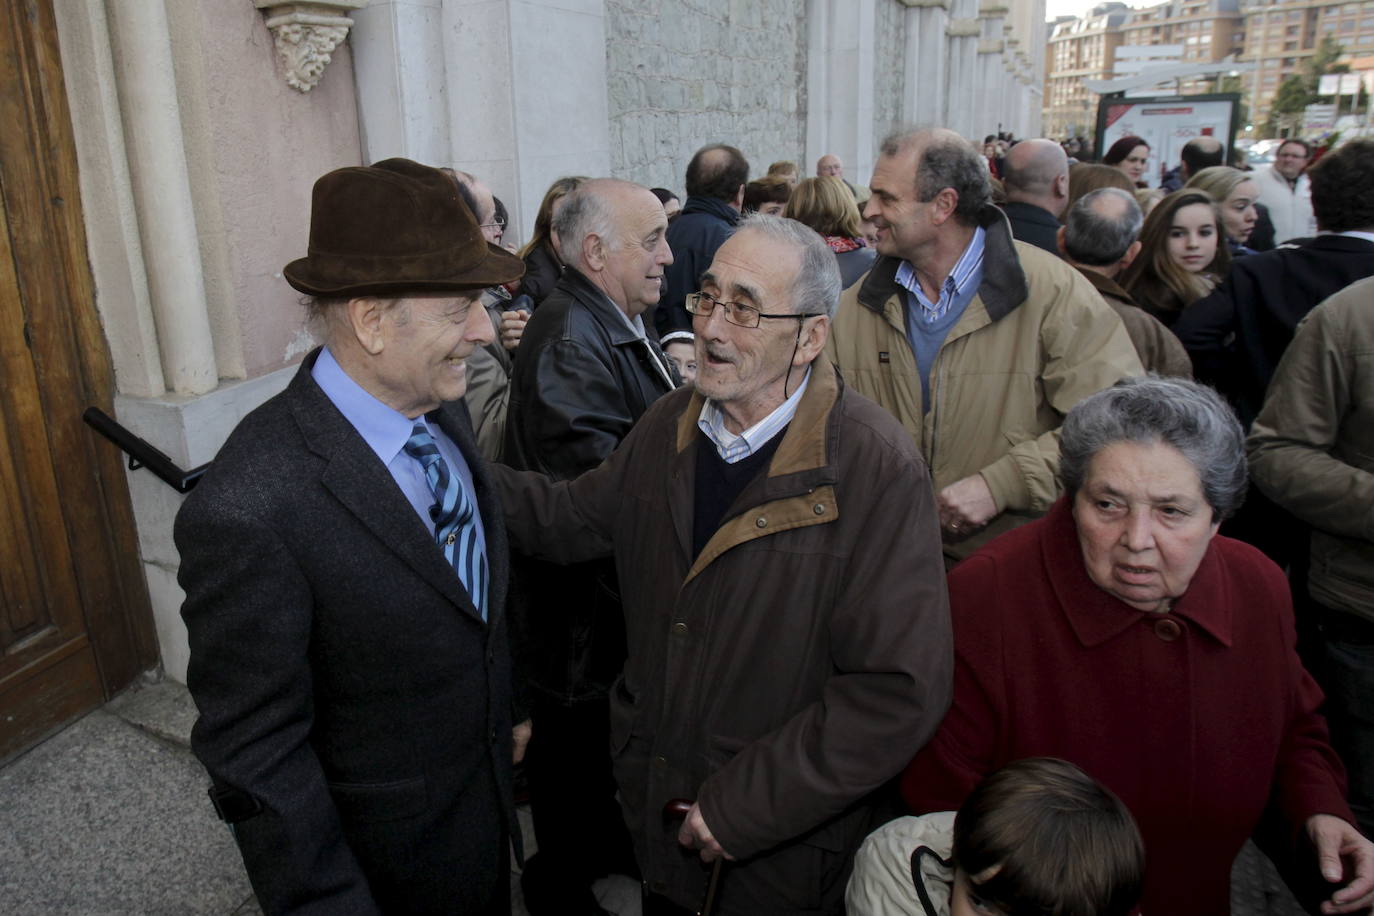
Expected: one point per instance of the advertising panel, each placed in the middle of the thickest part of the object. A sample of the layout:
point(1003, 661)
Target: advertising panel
point(1167, 123)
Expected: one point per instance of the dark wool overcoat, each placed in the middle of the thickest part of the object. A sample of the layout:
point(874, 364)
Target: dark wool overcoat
point(345, 682)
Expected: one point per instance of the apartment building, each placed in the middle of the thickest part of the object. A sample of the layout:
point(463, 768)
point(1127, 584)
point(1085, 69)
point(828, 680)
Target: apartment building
point(1207, 30)
point(1282, 34)
point(1278, 36)
point(1079, 48)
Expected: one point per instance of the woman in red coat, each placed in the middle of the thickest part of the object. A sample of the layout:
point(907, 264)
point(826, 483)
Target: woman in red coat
point(1121, 634)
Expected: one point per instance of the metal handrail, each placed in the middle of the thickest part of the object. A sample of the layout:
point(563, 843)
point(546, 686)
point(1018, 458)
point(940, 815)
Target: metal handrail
point(141, 453)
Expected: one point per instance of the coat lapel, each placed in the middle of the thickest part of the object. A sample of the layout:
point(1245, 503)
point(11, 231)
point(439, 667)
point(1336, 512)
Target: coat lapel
point(363, 485)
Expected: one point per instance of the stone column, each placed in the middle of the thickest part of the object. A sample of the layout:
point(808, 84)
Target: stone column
point(162, 194)
point(527, 94)
point(961, 96)
point(840, 58)
point(927, 57)
point(994, 83)
point(513, 91)
point(398, 64)
point(112, 242)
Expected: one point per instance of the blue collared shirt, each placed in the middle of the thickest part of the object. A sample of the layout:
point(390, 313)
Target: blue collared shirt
point(733, 448)
point(929, 323)
point(959, 287)
point(386, 431)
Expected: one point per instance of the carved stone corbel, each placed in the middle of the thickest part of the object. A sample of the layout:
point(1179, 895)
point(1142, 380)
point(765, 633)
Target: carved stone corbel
point(306, 34)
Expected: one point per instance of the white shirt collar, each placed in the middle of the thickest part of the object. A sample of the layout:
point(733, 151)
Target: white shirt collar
point(732, 447)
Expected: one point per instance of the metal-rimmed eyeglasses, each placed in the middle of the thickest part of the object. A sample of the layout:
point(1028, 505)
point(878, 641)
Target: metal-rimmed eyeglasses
point(737, 313)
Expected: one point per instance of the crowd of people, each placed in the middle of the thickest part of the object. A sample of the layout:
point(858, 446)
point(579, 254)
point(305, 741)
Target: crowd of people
point(993, 538)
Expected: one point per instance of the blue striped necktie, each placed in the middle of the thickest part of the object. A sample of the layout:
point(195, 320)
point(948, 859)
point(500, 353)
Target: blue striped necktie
point(455, 522)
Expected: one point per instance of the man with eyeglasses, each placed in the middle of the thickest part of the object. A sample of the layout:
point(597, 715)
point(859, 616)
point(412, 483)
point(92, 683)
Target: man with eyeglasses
point(1286, 191)
point(489, 368)
point(786, 616)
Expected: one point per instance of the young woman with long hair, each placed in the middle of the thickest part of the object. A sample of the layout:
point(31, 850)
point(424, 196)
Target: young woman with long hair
point(1183, 254)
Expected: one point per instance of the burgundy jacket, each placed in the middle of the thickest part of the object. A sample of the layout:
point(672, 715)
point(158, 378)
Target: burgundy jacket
point(1191, 717)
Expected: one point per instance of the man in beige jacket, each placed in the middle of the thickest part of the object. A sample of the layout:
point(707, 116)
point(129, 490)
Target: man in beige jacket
point(977, 343)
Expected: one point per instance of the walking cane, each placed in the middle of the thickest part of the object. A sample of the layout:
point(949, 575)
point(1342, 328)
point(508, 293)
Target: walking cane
point(675, 810)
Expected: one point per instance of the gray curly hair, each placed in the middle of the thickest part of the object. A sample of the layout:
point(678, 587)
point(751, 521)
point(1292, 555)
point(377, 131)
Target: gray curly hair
point(1190, 417)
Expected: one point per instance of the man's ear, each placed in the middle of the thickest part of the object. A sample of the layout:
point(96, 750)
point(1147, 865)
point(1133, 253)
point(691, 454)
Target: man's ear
point(739, 198)
point(1060, 188)
point(593, 252)
point(1131, 254)
point(814, 333)
point(367, 320)
point(946, 202)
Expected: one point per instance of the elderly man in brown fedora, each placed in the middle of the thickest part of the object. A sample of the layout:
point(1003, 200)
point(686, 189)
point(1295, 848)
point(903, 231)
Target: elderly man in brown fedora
point(344, 562)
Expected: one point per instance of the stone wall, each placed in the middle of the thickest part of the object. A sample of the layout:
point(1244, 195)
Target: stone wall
point(684, 73)
point(889, 67)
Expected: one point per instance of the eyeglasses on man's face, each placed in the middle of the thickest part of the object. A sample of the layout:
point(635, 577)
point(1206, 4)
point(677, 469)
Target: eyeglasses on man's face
point(737, 313)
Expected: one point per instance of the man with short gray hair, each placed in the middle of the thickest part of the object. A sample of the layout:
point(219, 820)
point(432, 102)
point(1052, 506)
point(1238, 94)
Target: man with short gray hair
point(778, 550)
point(586, 371)
point(975, 342)
point(1100, 238)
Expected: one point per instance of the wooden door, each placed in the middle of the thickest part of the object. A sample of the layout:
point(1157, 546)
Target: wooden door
point(74, 618)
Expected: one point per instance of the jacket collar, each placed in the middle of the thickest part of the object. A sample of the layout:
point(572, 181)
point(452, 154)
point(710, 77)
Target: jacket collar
point(1096, 616)
point(713, 206)
point(806, 443)
point(595, 300)
point(801, 467)
point(1340, 243)
point(1004, 282)
point(613, 321)
point(1031, 213)
point(1106, 285)
point(361, 482)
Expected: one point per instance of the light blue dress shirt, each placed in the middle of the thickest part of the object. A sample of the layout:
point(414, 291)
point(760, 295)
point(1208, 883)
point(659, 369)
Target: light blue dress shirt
point(929, 323)
point(386, 430)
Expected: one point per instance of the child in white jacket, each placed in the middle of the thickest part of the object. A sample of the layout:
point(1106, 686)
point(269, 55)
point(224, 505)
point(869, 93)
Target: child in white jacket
point(1037, 836)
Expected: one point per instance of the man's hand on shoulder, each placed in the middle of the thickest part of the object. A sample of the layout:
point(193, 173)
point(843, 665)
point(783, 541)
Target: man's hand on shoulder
point(966, 506)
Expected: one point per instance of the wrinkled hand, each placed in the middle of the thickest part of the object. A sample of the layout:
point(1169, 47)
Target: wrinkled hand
point(512, 326)
point(965, 506)
point(694, 834)
point(1343, 855)
point(520, 739)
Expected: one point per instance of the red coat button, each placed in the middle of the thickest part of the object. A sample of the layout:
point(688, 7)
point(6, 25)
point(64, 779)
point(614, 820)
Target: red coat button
point(1168, 629)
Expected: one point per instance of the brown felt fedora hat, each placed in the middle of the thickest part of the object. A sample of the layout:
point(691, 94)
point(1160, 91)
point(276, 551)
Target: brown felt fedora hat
point(395, 227)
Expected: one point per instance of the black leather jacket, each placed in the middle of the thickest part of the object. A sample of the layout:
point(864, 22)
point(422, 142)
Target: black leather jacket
point(582, 378)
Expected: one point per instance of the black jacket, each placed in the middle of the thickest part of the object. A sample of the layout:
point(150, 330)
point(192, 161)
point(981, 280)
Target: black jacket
point(582, 378)
point(542, 271)
point(345, 682)
point(1237, 334)
point(703, 226)
point(1033, 224)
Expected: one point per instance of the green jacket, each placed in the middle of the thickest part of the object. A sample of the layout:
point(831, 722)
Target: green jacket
point(1312, 446)
point(1035, 340)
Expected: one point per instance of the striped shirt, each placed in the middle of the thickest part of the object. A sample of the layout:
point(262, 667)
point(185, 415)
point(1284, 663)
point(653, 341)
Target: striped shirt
point(959, 287)
point(733, 448)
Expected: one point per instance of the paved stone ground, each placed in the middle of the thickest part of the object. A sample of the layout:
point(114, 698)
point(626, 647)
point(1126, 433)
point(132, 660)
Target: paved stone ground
point(109, 816)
